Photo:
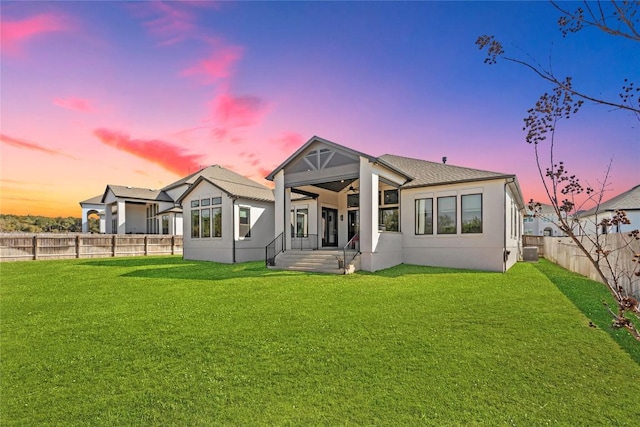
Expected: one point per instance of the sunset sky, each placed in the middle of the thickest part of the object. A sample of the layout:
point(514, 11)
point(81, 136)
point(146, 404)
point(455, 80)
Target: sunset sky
point(143, 93)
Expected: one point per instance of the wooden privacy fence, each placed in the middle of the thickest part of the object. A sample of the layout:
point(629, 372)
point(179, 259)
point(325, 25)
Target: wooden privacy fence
point(537, 241)
point(24, 246)
point(563, 251)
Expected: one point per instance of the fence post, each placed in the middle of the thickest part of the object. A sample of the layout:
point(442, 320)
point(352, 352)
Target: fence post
point(113, 245)
point(35, 247)
point(77, 246)
point(173, 245)
point(146, 245)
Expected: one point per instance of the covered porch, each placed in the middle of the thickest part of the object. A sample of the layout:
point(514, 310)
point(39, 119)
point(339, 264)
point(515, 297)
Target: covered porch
point(329, 197)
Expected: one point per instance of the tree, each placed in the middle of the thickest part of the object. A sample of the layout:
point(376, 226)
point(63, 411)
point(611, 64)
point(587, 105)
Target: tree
point(566, 193)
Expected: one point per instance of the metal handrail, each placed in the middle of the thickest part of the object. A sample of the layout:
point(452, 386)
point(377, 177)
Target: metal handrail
point(352, 245)
point(273, 249)
point(304, 242)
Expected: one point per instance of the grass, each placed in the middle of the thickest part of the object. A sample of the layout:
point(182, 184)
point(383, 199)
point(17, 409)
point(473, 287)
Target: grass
point(162, 341)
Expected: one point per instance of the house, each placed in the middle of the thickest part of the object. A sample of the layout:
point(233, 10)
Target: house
point(398, 209)
point(133, 210)
point(543, 223)
point(230, 218)
point(629, 201)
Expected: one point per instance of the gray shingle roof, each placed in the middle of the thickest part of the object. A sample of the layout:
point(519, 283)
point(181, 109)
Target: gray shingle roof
point(233, 183)
point(95, 200)
point(189, 179)
point(425, 173)
point(629, 200)
point(126, 192)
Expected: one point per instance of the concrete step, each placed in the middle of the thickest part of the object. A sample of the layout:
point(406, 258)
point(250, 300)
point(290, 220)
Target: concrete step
point(314, 261)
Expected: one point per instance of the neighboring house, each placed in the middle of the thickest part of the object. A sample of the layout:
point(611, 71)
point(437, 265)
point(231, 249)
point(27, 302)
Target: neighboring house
point(230, 218)
point(131, 210)
point(629, 201)
point(542, 224)
point(93, 206)
point(402, 210)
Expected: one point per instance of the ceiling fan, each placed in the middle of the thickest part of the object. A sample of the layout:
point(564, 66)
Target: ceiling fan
point(353, 189)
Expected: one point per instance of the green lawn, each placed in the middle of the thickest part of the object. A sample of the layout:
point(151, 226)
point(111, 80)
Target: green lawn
point(162, 341)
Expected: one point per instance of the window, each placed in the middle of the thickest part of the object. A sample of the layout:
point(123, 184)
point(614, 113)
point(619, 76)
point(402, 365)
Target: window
point(353, 200)
point(165, 224)
point(447, 215)
point(302, 220)
point(195, 223)
point(390, 197)
point(152, 221)
point(424, 216)
point(205, 222)
point(216, 215)
point(471, 213)
point(299, 222)
point(388, 213)
point(388, 219)
point(245, 222)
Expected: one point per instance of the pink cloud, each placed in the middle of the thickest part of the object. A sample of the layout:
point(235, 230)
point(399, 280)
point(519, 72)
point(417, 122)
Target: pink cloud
point(237, 111)
point(217, 66)
point(165, 154)
point(75, 104)
point(170, 22)
point(289, 141)
point(14, 142)
point(13, 34)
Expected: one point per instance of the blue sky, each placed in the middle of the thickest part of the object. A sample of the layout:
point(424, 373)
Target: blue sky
point(97, 93)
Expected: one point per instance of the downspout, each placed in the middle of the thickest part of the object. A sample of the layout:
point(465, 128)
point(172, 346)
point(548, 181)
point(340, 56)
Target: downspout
point(233, 229)
point(504, 227)
point(505, 253)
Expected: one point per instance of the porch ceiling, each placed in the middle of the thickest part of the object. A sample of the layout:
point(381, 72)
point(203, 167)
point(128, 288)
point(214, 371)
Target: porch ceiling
point(336, 186)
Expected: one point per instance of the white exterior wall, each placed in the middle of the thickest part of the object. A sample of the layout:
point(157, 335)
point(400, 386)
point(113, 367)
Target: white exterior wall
point(514, 225)
point(221, 249)
point(482, 251)
point(136, 218)
point(589, 222)
point(389, 250)
point(262, 227)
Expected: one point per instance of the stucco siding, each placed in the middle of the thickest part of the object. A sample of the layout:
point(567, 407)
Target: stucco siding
point(136, 218)
point(388, 252)
point(221, 249)
point(482, 250)
point(513, 225)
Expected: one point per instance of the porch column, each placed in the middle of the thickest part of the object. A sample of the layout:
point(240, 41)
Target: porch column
point(103, 228)
point(122, 218)
point(368, 213)
point(108, 219)
point(282, 208)
point(85, 220)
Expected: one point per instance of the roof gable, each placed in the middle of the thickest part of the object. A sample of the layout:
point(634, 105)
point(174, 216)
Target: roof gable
point(95, 200)
point(126, 192)
point(629, 200)
point(318, 153)
point(231, 183)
